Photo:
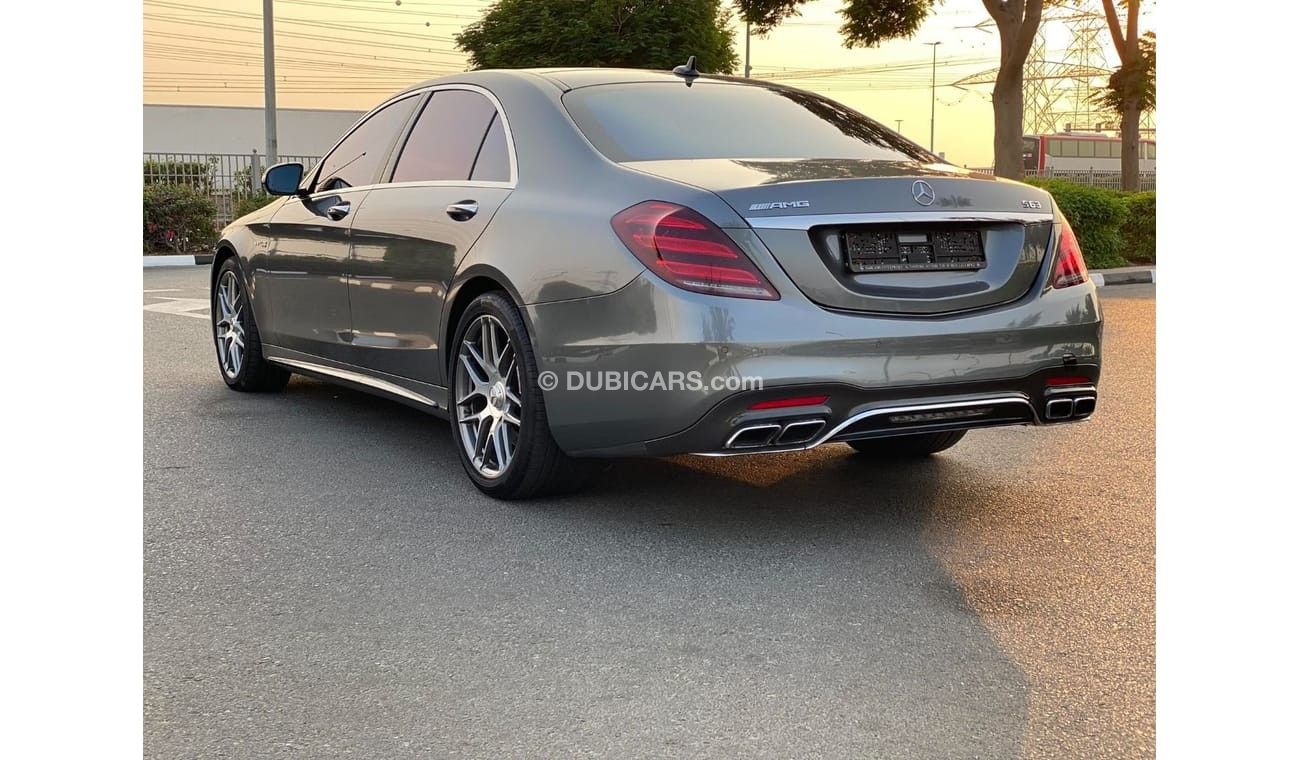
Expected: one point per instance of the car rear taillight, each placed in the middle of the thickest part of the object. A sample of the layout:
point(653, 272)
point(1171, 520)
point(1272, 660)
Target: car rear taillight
point(1070, 269)
point(689, 251)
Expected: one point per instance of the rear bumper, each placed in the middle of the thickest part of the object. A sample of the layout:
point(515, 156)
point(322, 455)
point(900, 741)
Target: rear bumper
point(866, 365)
point(853, 414)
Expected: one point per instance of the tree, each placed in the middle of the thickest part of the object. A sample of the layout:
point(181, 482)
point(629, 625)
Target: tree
point(648, 34)
point(1132, 86)
point(867, 23)
point(1017, 22)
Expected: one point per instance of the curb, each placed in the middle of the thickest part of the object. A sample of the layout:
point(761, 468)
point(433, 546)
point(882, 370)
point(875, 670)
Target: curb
point(1124, 277)
point(178, 261)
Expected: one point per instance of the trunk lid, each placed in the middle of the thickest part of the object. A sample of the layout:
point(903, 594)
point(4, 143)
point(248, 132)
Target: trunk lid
point(893, 237)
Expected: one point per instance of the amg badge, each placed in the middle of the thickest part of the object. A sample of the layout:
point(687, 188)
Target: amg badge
point(778, 204)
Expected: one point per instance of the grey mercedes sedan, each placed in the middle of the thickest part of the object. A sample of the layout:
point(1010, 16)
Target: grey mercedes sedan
point(575, 264)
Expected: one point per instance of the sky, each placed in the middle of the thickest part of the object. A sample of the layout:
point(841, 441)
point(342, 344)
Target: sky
point(350, 54)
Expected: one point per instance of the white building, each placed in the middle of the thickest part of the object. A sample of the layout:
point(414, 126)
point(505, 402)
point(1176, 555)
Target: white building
point(231, 129)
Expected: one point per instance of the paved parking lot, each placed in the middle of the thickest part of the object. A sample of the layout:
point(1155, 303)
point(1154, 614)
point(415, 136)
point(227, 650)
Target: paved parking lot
point(321, 580)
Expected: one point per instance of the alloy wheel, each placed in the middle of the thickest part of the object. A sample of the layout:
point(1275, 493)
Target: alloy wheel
point(489, 398)
point(230, 324)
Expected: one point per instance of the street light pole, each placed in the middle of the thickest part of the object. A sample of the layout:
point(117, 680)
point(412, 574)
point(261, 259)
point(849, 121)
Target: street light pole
point(268, 81)
point(934, 61)
point(747, 50)
point(899, 122)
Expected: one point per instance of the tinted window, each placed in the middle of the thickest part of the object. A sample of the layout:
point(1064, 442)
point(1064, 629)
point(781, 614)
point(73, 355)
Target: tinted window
point(1070, 148)
point(1053, 147)
point(493, 164)
point(1087, 149)
point(446, 138)
point(653, 121)
point(364, 152)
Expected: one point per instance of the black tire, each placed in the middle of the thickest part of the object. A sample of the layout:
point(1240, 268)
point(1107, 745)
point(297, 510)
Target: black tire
point(254, 373)
point(905, 446)
point(538, 467)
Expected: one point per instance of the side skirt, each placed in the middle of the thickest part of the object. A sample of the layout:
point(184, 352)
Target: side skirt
point(423, 396)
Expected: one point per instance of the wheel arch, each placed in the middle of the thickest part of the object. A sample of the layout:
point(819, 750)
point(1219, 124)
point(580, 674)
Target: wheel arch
point(225, 250)
point(470, 284)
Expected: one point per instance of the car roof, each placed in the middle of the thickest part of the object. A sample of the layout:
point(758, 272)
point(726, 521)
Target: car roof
point(572, 78)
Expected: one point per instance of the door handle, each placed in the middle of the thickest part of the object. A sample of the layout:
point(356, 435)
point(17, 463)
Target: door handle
point(338, 211)
point(463, 211)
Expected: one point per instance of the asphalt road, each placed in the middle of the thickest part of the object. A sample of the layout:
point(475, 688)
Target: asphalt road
point(321, 580)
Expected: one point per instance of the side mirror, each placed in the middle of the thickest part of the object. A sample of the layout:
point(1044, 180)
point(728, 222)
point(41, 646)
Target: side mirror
point(282, 179)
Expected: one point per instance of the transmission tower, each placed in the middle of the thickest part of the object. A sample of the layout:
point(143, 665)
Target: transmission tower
point(1041, 97)
point(1060, 92)
point(1086, 54)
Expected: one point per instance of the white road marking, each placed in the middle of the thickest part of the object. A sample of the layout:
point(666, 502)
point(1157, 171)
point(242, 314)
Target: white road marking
point(185, 307)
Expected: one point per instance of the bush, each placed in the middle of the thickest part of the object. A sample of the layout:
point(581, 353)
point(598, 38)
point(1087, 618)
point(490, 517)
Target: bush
point(177, 218)
point(249, 203)
point(1139, 229)
point(195, 174)
point(1096, 216)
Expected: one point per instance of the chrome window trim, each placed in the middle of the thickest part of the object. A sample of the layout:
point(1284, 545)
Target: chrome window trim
point(808, 221)
point(423, 92)
point(505, 125)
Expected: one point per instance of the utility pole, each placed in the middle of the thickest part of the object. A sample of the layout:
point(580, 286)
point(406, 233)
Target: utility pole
point(268, 80)
point(899, 122)
point(747, 50)
point(934, 61)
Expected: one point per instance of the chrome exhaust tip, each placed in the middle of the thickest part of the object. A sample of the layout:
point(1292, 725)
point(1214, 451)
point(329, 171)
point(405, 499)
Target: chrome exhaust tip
point(1060, 408)
point(1071, 408)
point(802, 431)
point(753, 436)
point(778, 433)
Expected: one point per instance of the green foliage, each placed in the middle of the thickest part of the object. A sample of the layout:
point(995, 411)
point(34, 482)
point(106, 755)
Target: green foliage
point(1136, 78)
point(1096, 216)
point(867, 23)
point(614, 33)
point(195, 174)
point(177, 218)
point(247, 204)
point(1139, 228)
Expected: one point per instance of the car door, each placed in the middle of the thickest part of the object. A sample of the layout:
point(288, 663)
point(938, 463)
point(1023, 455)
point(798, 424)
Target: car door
point(303, 277)
point(452, 173)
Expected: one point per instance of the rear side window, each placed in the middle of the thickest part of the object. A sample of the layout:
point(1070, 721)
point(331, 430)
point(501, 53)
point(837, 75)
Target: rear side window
point(446, 138)
point(363, 153)
point(493, 164)
point(657, 121)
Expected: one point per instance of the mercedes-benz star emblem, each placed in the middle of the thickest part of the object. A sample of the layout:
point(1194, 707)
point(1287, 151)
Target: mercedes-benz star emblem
point(922, 193)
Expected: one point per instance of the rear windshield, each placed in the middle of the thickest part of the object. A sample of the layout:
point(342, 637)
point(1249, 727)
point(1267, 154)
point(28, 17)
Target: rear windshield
point(668, 120)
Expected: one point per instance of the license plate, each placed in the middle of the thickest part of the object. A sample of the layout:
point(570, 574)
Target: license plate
point(912, 251)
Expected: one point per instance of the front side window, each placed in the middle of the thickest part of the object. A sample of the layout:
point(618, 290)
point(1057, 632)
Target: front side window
point(362, 154)
point(668, 120)
point(446, 138)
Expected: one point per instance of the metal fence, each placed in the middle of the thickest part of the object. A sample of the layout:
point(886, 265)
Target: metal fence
point(226, 178)
point(1093, 177)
